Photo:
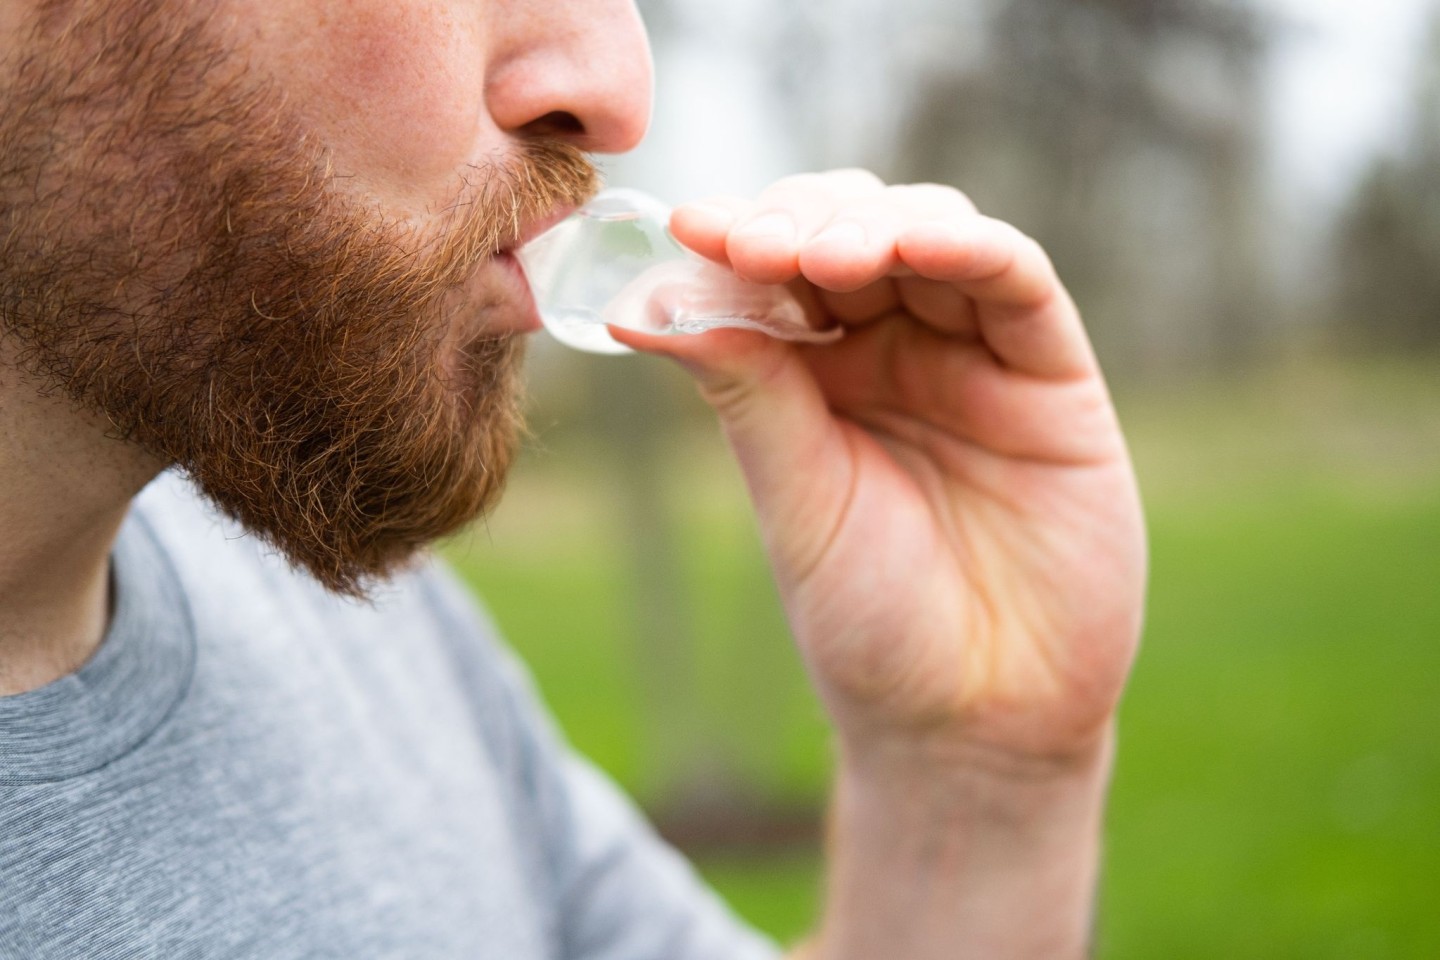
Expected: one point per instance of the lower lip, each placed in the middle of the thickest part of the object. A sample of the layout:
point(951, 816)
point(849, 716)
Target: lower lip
point(526, 316)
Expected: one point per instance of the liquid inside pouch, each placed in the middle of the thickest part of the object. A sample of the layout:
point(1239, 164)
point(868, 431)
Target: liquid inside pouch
point(614, 262)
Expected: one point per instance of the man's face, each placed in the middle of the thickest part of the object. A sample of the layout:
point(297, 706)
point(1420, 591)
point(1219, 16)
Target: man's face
point(261, 237)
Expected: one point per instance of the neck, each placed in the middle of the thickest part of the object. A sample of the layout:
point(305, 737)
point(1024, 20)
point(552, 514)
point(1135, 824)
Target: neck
point(64, 491)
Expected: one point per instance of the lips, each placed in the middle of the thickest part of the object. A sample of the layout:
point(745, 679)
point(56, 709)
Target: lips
point(500, 283)
point(536, 227)
point(519, 313)
point(516, 312)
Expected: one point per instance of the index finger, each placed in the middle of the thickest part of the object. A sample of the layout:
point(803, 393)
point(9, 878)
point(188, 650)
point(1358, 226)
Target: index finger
point(1025, 316)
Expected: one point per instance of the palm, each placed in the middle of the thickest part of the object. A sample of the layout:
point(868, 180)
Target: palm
point(945, 494)
point(960, 583)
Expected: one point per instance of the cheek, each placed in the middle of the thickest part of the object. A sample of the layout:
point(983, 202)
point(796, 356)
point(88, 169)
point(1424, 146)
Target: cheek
point(395, 86)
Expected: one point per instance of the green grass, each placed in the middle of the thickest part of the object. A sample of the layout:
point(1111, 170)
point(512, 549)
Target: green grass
point(1278, 790)
point(1279, 774)
point(780, 894)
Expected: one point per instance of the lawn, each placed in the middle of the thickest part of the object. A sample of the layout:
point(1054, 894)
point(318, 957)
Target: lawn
point(1278, 792)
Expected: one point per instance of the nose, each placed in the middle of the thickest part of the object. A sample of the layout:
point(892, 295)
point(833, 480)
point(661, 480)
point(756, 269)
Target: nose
point(580, 70)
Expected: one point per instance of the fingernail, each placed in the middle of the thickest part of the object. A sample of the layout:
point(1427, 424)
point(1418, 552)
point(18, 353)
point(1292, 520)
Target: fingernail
point(776, 225)
point(847, 232)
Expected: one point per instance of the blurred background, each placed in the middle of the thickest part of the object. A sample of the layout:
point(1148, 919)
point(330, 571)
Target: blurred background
point(1245, 199)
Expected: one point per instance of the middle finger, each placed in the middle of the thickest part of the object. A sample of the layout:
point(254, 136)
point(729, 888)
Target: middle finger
point(764, 246)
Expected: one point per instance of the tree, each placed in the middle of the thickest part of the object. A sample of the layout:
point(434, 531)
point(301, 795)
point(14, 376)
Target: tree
point(1387, 249)
point(1124, 134)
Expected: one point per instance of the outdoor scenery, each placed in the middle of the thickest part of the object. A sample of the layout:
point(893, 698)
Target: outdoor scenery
point(1245, 199)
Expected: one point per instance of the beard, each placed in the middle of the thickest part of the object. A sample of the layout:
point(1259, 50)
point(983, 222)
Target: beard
point(177, 255)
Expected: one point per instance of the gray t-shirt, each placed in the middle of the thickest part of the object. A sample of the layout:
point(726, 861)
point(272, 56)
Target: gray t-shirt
point(251, 767)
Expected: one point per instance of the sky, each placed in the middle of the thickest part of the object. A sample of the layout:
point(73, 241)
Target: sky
point(1343, 78)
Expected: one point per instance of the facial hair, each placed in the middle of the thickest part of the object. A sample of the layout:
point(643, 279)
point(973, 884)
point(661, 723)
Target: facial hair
point(177, 254)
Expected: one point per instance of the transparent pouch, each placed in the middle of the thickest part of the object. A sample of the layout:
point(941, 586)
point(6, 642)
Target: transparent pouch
point(615, 262)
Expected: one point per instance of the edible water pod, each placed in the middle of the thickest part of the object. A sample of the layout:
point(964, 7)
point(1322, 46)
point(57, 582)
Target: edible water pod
point(614, 261)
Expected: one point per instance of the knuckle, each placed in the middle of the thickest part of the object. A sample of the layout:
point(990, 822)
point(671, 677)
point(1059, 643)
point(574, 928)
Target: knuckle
point(735, 204)
point(935, 198)
point(814, 199)
point(794, 184)
point(1015, 238)
point(856, 176)
point(737, 395)
point(1035, 250)
point(843, 181)
point(873, 212)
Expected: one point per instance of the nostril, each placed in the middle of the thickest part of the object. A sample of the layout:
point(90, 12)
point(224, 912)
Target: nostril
point(557, 123)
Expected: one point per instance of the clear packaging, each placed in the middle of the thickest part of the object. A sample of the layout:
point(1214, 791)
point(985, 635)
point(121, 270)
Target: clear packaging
point(614, 261)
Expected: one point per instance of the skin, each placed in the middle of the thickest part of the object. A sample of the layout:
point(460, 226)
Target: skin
point(945, 495)
point(456, 85)
point(954, 527)
point(406, 94)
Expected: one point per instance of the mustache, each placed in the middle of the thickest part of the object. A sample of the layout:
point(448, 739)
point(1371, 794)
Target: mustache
point(511, 193)
point(336, 260)
point(500, 199)
point(192, 267)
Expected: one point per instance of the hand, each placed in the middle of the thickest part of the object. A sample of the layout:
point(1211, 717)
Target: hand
point(944, 494)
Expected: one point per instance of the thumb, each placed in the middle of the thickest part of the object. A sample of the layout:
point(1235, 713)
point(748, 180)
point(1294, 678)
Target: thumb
point(791, 449)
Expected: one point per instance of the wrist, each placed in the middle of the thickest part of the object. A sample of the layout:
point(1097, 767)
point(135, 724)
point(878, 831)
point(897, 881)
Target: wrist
point(979, 847)
point(943, 761)
point(1010, 801)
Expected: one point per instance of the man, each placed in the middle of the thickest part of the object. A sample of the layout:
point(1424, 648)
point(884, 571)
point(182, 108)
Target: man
point(265, 243)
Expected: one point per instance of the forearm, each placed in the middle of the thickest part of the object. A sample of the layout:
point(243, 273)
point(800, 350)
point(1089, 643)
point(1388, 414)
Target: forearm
point(954, 862)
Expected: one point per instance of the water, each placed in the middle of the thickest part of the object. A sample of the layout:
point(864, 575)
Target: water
point(615, 262)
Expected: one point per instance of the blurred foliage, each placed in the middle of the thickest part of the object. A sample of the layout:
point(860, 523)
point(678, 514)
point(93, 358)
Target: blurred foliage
point(1132, 137)
point(1138, 115)
point(1275, 794)
point(1387, 250)
point(1129, 136)
point(1125, 135)
point(1279, 768)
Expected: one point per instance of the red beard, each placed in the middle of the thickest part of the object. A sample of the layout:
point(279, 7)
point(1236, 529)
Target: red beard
point(175, 254)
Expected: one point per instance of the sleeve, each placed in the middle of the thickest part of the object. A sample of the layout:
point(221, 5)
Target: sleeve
point(615, 889)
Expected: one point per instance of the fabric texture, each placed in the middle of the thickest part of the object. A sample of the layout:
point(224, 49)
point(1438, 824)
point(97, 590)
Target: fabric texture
point(250, 767)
